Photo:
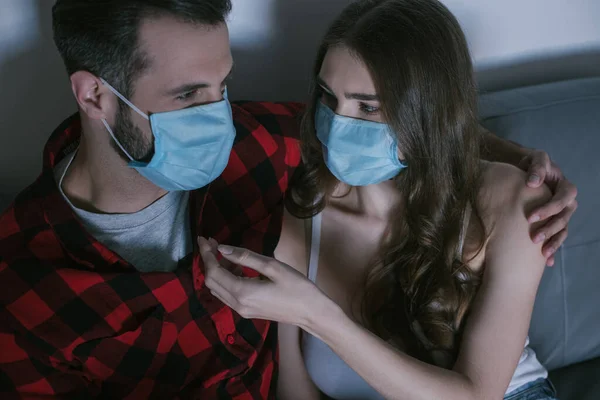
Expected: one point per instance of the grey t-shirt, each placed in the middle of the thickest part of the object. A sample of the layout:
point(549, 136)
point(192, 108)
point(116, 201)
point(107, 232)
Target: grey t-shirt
point(154, 239)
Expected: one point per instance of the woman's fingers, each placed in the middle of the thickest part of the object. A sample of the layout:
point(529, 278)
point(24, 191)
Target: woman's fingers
point(237, 270)
point(215, 271)
point(263, 265)
point(207, 254)
point(221, 293)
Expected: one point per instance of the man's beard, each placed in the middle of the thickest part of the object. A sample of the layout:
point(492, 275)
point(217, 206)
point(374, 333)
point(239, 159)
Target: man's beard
point(131, 137)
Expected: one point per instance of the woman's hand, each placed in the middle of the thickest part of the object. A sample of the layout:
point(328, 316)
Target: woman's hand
point(559, 210)
point(283, 295)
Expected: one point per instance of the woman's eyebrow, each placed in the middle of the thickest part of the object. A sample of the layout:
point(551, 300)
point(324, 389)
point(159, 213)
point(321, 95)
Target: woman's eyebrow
point(361, 96)
point(349, 96)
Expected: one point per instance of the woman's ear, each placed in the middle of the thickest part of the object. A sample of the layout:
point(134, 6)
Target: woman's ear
point(401, 156)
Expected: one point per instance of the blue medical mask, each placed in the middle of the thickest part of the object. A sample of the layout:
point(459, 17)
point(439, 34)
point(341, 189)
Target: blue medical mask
point(357, 152)
point(191, 146)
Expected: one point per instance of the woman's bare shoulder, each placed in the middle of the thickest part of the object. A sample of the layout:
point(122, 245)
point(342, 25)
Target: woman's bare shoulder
point(291, 248)
point(504, 187)
point(505, 201)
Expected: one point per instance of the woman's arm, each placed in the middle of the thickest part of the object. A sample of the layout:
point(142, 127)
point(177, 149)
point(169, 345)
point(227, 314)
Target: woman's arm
point(540, 169)
point(495, 329)
point(494, 335)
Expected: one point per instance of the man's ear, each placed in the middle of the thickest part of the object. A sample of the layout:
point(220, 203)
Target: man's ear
point(94, 99)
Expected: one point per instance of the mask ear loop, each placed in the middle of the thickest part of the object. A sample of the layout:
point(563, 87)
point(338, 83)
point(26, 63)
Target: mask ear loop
point(115, 139)
point(130, 104)
point(120, 96)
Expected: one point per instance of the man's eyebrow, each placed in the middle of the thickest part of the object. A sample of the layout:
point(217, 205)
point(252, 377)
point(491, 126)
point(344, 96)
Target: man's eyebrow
point(349, 96)
point(190, 87)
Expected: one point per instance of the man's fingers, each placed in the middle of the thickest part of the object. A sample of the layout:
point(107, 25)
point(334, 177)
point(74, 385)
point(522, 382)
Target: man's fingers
point(554, 243)
point(550, 209)
point(536, 175)
point(554, 225)
point(564, 197)
point(525, 163)
point(263, 265)
point(566, 190)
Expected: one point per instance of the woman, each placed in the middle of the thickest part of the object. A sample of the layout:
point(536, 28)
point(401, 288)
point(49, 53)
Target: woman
point(409, 267)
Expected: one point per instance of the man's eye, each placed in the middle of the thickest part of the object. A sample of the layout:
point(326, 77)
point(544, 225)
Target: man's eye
point(186, 95)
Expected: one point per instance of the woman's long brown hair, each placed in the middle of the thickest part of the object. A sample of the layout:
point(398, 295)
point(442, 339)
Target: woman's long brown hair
point(419, 60)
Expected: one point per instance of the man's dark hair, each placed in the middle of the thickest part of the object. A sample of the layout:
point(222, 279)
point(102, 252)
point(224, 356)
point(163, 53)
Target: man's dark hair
point(101, 36)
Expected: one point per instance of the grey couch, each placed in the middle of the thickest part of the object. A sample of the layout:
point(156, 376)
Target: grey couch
point(564, 119)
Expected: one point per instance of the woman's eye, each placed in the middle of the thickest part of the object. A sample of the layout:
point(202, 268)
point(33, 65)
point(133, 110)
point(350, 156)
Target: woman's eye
point(367, 109)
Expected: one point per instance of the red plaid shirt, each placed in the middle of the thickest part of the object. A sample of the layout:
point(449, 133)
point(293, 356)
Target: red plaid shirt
point(79, 321)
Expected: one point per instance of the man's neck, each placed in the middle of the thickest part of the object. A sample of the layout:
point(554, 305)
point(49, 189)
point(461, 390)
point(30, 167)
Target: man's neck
point(99, 180)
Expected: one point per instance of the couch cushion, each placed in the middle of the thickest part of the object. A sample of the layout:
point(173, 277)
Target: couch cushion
point(564, 119)
point(578, 382)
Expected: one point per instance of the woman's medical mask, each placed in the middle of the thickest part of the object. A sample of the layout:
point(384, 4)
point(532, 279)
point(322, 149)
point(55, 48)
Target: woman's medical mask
point(191, 146)
point(357, 152)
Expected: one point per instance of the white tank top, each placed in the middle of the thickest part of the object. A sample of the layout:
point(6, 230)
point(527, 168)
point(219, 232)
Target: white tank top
point(337, 380)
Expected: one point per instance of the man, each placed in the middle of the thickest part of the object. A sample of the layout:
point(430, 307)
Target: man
point(102, 288)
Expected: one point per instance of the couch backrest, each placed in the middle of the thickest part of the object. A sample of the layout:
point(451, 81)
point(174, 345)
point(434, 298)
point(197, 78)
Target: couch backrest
point(563, 119)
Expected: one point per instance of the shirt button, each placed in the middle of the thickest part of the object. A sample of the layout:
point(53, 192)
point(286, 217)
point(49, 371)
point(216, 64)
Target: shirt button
point(230, 339)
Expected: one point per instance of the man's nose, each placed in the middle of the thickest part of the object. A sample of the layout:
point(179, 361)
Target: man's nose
point(214, 95)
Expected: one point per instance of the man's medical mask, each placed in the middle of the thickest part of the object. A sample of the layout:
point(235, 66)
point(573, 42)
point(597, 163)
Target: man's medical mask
point(191, 146)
